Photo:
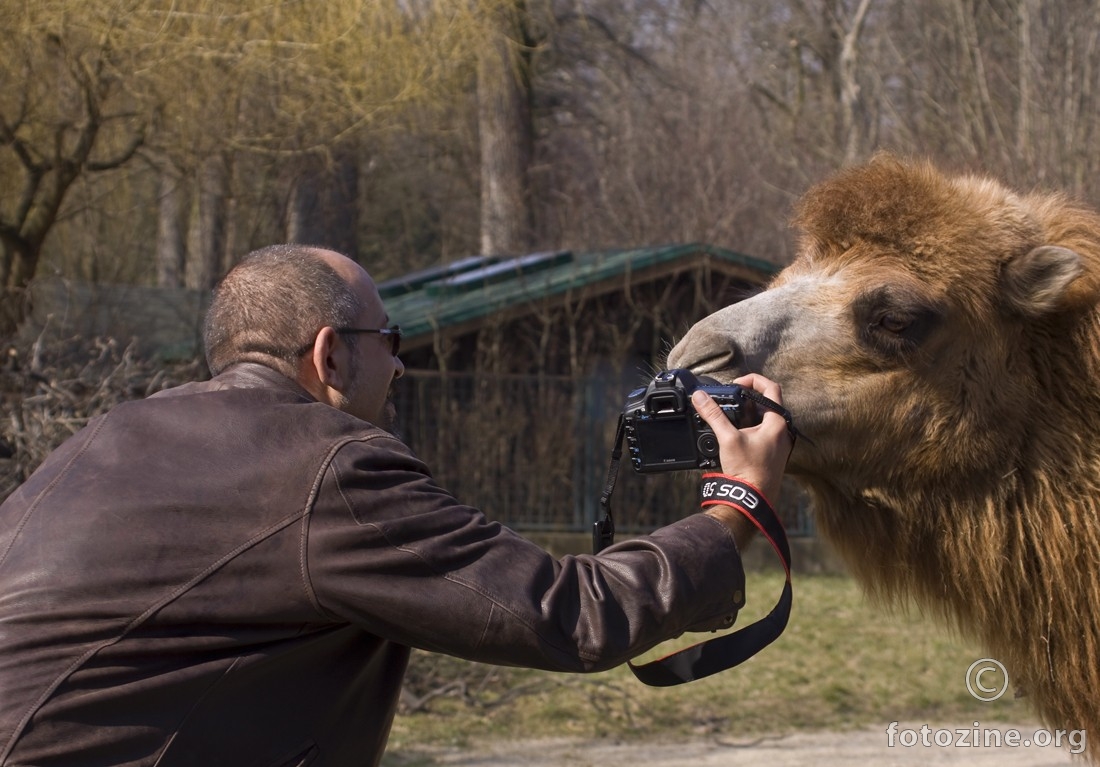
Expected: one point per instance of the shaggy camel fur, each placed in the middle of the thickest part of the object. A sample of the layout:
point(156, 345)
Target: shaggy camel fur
point(938, 340)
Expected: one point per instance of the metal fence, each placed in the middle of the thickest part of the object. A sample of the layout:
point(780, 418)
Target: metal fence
point(533, 451)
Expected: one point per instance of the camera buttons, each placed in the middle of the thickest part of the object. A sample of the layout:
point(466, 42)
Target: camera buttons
point(708, 444)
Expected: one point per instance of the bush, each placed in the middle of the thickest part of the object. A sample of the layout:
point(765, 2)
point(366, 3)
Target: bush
point(50, 390)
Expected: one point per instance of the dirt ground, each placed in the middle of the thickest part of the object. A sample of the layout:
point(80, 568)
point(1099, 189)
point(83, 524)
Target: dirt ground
point(861, 747)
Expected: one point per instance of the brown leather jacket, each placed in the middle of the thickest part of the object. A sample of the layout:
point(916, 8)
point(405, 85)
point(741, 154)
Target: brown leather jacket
point(231, 573)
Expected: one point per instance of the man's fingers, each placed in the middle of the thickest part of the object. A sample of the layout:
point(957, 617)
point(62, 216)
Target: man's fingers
point(765, 386)
point(710, 411)
point(769, 389)
point(772, 422)
point(756, 454)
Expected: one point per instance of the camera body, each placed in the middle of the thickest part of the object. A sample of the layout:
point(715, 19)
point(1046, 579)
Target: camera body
point(663, 431)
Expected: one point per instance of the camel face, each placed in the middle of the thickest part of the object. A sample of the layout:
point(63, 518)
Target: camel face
point(851, 346)
point(901, 333)
point(938, 340)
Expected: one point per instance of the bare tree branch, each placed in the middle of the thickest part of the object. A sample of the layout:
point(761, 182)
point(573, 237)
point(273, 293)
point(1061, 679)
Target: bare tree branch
point(120, 159)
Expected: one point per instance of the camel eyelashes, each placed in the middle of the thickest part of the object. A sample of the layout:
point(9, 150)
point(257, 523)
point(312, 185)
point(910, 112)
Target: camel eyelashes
point(894, 323)
point(890, 324)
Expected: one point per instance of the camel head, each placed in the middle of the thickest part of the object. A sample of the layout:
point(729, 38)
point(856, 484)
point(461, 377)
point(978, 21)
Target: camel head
point(937, 341)
point(912, 334)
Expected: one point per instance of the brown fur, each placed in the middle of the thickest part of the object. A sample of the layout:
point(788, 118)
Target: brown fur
point(963, 474)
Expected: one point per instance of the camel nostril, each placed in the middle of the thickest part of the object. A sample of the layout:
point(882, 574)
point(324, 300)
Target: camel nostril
point(737, 360)
point(708, 355)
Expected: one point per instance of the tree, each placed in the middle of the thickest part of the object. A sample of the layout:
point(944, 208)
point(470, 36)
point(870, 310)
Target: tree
point(215, 98)
point(296, 94)
point(73, 116)
point(505, 129)
point(1009, 86)
point(421, 130)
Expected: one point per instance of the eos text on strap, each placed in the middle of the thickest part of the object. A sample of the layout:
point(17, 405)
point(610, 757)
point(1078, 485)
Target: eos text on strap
point(715, 491)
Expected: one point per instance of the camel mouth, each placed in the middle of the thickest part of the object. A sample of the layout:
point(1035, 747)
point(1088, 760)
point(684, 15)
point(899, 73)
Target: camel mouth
point(706, 360)
point(713, 380)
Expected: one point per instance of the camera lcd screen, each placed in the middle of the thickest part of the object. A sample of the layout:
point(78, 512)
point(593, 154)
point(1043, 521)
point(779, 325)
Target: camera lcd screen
point(667, 441)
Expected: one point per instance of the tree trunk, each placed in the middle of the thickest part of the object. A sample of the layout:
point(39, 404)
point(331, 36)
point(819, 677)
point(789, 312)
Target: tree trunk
point(171, 242)
point(506, 136)
point(323, 209)
point(206, 238)
point(18, 268)
point(846, 78)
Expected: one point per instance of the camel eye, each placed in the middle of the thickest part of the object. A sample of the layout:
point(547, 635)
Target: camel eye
point(894, 323)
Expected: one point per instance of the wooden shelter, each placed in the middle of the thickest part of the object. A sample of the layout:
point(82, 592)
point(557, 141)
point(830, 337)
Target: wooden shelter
point(564, 313)
point(517, 369)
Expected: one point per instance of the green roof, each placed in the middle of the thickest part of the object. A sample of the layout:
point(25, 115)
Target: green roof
point(473, 288)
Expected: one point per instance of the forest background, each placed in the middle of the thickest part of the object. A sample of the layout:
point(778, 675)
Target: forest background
point(155, 142)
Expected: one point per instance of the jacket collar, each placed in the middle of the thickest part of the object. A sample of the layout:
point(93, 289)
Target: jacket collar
point(252, 375)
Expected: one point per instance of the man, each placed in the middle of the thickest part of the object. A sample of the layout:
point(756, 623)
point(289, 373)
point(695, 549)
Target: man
point(232, 572)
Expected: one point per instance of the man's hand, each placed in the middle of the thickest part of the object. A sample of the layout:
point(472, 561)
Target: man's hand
point(756, 454)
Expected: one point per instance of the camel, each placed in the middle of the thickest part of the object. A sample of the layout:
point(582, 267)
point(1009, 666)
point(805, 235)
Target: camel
point(937, 338)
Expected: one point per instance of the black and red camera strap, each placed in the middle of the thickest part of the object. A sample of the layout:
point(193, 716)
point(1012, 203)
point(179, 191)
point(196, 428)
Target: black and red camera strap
point(729, 650)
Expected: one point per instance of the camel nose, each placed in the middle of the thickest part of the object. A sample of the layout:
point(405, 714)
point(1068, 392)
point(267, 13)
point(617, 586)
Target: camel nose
point(702, 353)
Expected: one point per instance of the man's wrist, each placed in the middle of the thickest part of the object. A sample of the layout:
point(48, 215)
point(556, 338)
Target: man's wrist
point(732, 500)
point(738, 525)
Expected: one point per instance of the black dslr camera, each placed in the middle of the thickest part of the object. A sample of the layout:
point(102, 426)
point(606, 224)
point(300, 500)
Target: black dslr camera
point(663, 431)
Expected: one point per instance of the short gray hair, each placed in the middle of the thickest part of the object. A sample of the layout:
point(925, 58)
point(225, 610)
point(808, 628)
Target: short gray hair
point(271, 305)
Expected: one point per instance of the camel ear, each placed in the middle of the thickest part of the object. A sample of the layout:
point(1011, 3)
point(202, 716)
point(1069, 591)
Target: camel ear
point(1036, 282)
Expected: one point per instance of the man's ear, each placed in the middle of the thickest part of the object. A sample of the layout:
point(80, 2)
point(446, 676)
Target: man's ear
point(329, 360)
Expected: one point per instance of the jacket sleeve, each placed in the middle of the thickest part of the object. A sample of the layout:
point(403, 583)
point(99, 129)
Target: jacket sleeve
point(389, 550)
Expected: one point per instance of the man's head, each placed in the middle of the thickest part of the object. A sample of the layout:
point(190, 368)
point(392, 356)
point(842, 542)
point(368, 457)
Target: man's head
point(284, 307)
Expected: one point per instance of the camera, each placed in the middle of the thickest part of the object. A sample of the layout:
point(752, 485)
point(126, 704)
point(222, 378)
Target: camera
point(663, 431)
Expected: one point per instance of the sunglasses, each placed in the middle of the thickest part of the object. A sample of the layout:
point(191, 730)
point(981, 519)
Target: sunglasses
point(393, 333)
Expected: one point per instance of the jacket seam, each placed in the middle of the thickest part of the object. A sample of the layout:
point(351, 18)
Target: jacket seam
point(194, 706)
point(580, 651)
point(494, 602)
point(311, 500)
point(49, 488)
point(78, 662)
point(18, 729)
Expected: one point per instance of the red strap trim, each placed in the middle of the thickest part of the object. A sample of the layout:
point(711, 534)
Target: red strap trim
point(748, 513)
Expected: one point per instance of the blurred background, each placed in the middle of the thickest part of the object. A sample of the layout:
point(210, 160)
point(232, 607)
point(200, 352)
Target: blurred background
point(154, 142)
point(549, 192)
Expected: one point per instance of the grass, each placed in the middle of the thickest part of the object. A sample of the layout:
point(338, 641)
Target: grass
point(841, 664)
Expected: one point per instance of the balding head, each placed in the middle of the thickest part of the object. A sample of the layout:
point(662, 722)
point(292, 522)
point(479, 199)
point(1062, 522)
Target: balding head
point(271, 305)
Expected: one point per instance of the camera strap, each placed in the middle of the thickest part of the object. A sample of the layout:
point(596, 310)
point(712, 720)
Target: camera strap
point(726, 651)
point(603, 531)
point(729, 650)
